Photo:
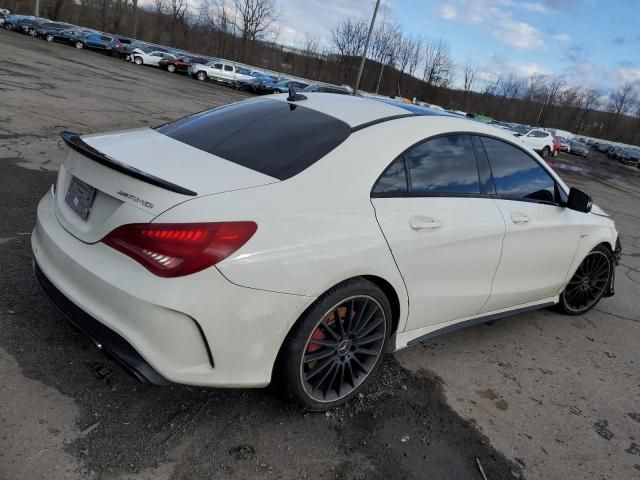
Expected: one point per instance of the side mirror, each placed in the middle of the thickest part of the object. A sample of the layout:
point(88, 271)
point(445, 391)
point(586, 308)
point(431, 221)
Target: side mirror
point(579, 201)
point(517, 134)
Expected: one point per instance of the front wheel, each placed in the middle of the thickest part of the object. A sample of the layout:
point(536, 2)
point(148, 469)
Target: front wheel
point(79, 45)
point(336, 346)
point(49, 38)
point(138, 60)
point(202, 76)
point(171, 68)
point(589, 283)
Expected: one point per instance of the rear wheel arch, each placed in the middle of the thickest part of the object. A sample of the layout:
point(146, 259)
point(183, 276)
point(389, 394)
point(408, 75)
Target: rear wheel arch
point(386, 287)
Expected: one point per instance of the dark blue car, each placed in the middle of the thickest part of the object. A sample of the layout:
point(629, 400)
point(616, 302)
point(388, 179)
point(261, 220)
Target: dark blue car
point(98, 41)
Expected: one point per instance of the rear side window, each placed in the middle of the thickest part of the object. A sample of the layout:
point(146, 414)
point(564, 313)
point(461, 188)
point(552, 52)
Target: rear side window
point(443, 165)
point(270, 136)
point(393, 180)
point(516, 174)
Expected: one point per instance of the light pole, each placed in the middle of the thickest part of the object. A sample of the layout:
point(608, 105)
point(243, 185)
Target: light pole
point(37, 12)
point(386, 57)
point(366, 47)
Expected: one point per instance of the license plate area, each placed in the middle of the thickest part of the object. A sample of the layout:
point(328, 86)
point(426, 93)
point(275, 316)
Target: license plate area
point(80, 197)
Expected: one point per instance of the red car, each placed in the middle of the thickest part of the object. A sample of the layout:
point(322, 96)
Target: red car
point(180, 65)
point(557, 146)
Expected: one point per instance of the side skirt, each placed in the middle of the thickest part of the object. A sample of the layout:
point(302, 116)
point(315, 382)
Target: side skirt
point(475, 321)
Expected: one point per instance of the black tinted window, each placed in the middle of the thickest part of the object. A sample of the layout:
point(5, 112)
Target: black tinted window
point(393, 180)
point(443, 165)
point(516, 174)
point(269, 136)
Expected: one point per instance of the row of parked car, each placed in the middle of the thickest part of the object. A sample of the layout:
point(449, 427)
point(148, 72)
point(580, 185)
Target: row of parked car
point(546, 141)
point(172, 60)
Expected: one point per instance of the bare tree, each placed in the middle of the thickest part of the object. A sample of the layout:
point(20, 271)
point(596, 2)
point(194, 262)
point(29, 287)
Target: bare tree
point(177, 10)
point(253, 19)
point(551, 93)
point(160, 11)
point(588, 101)
point(622, 100)
point(438, 65)
point(134, 6)
point(310, 46)
point(469, 77)
point(347, 38)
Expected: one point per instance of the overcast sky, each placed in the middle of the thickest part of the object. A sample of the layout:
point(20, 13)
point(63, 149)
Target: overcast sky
point(589, 42)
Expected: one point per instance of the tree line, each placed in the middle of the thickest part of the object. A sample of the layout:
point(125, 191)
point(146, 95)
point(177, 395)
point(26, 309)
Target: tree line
point(399, 64)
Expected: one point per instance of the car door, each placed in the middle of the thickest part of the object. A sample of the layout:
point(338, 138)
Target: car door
point(443, 228)
point(536, 139)
point(93, 41)
point(154, 58)
point(217, 71)
point(105, 42)
point(541, 235)
point(229, 73)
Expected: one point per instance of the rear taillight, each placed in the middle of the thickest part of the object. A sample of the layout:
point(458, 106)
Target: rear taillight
point(177, 249)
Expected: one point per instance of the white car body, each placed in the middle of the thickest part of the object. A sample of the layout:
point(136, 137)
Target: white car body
point(450, 260)
point(152, 58)
point(538, 139)
point(225, 72)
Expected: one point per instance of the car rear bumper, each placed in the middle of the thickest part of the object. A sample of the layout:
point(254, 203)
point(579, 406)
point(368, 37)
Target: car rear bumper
point(106, 339)
point(199, 329)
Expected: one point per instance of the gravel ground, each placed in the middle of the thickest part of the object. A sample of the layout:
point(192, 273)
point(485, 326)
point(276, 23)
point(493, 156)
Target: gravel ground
point(536, 396)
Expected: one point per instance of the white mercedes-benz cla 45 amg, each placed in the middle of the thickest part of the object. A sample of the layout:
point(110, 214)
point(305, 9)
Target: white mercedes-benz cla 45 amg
point(295, 239)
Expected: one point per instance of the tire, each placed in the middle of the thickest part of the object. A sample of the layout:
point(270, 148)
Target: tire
point(79, 45)
point(335, 347)
point(138, 60)
point(201, 75)
point(545, 152)
point(589, 283)
point(171, 68)
point(49, 38)
point(275, 91)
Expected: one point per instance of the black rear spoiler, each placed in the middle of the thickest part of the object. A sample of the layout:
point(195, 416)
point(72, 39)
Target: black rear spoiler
point(75, 142)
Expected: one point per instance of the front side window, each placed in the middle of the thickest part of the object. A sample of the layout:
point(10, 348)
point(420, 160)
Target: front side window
point(516, 174)
point(443, 165)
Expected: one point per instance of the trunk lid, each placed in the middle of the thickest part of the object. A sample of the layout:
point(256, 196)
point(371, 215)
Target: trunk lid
point(137, 175)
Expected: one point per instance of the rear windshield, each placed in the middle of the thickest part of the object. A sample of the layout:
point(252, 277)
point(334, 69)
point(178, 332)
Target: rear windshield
point(270, 136)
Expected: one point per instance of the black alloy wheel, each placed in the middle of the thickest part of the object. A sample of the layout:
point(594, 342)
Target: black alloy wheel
point(589, 283)
point(336, 346)
point(343, 349)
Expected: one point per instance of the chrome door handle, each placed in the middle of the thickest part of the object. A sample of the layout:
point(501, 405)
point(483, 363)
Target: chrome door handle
point(520, 218)
point(424, 223)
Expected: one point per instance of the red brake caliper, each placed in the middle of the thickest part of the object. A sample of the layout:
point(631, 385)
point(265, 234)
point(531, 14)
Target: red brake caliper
point(317, 335)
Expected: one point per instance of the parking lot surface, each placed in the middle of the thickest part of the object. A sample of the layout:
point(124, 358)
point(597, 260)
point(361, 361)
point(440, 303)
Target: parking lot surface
point(539, 395)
